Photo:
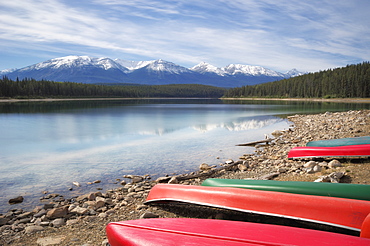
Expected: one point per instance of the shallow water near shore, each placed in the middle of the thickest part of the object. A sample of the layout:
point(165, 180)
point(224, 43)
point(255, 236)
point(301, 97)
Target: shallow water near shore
point(48, 145)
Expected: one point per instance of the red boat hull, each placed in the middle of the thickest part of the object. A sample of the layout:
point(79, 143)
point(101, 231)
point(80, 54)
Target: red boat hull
point(350, 151)
point(333, 211)
point(160, 232)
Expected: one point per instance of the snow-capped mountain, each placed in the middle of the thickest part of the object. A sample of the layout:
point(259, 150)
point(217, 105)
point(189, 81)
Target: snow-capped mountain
point(204, 68)
point(86, 69)
point(293, 73)
point(234, 69)
point(6, 71)
point(76, 61)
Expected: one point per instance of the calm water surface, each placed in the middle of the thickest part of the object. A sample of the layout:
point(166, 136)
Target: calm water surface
point(48, 145)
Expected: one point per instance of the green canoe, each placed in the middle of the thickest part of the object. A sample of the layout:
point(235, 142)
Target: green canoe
point(340, 142)
point(343, 190)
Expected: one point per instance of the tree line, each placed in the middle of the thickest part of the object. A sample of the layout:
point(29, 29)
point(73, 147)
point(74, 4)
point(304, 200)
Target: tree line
point(31, 88)
point(346, 82)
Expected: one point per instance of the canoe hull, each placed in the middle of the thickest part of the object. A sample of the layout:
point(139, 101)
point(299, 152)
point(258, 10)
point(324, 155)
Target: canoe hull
point(337, 212)
point(350, 151)
point(350, 191)
point(181, 231)
point(340, 142)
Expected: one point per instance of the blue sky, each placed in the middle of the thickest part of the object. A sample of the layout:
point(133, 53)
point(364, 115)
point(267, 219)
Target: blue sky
point(280, 35)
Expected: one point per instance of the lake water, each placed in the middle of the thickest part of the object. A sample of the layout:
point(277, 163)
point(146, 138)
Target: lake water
point(48, 145)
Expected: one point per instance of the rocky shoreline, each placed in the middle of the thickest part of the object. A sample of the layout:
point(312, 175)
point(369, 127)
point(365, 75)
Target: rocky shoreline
point(81, 220)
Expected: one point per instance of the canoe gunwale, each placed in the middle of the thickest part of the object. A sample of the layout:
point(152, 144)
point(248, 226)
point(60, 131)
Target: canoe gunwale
point(330, 157)
point(161, 200)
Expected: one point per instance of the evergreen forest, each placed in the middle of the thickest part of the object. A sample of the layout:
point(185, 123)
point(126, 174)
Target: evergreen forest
point(30, 88)
point(352, 81)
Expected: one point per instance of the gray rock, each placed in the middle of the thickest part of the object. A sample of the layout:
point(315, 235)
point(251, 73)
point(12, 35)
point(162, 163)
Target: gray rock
point(137, 179)
point(91, 196)
point(204, 167)
point(44, 223)
point(24, 215)
point(80, 210)
point(310, 170)
point(333, 177)
point(46, 241)
point(16, 200)
point(105, 243)
point(72, 222)
point(57, 212)
point(173, 180)
point(310, 164)
point(134, 178)
point(269, 176)
point(316, 168)
point(163, 179)
point(148, 215)
point(242, 167)
point(40, 213)
point(282, 170)
point(334, 164)
point(277, 133)
point(24, 221)
point(58, 222)
point(3, 221)
point(103, 215)
point(141, 206)
point(33, 229)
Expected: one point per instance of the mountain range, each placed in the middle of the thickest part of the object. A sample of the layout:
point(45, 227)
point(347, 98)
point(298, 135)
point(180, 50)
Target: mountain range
point(85, 69)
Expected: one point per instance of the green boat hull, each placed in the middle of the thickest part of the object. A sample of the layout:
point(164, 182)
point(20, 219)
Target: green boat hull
point(342, 190)
point(340, 142)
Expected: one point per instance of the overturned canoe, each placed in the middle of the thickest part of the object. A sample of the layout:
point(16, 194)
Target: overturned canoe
point(351, 191)
point(181, 231)
point(350, 151)
point(340, 142)
point(337, 212)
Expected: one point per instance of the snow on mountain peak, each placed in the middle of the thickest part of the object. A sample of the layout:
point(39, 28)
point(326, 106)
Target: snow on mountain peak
point(234, 69)
point(204, 67)
point(76, 61)
point(164, 66)
point(5, 71)
point(294, 72)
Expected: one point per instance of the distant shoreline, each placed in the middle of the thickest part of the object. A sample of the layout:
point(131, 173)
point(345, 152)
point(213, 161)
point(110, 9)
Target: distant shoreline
point(342, 100)
point(339, 100)
point(95, 99)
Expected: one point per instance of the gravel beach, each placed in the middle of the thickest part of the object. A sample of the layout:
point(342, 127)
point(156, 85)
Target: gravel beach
point(81, 220)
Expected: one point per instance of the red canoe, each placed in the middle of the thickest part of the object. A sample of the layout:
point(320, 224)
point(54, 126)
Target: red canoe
point(160, 232)
point(350, 151)
point(338, 212)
